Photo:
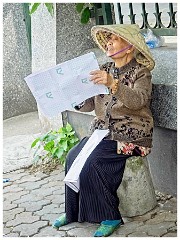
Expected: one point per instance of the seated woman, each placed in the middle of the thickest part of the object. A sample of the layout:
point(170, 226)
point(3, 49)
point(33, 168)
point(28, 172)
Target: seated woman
point(125, 112)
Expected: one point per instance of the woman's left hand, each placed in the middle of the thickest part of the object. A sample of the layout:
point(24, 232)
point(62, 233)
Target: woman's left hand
point(101, 77)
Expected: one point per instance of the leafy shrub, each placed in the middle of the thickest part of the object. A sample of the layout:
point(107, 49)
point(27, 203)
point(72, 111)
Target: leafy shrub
point(54, 145)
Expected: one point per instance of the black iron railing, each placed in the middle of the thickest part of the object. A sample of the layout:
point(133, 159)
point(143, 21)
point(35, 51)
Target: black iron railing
point(103, 13)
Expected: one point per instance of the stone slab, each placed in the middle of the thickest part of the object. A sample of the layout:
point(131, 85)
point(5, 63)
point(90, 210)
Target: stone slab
point(17, 152)
point(136, 192)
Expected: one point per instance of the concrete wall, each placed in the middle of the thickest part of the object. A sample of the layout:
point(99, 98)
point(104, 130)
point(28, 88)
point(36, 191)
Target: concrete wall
point(163, 159)
point(72, 37)
point(17, 98)
point(54, 40)
point(43, 30)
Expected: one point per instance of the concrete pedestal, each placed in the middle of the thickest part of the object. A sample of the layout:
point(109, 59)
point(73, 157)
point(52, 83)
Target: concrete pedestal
point(136, 192)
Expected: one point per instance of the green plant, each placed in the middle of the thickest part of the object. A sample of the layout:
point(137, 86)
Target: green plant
point(84, 10)
point(54, 145)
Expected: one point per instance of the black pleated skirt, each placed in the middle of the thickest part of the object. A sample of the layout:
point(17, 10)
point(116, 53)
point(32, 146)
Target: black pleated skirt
point(100, 178)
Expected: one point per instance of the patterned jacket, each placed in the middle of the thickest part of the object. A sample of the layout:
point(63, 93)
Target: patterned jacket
point(127, 112)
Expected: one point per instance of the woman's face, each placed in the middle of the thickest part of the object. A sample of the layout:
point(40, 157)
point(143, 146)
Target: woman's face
point(116, 44)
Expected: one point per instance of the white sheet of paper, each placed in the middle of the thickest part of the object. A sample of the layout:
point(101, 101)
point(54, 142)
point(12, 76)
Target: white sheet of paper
point(64, 86)
point(72, 176)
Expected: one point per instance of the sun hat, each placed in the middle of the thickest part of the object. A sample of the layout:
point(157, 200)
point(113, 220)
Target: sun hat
point(130, 33)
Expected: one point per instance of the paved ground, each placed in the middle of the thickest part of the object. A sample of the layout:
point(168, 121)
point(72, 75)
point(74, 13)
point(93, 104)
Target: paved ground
point(33, 201)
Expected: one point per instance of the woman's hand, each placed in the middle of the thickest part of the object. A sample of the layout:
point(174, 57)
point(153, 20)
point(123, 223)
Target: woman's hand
point(101, 77)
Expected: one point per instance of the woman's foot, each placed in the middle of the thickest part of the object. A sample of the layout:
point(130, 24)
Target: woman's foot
point(107, 228)
point(61, 221)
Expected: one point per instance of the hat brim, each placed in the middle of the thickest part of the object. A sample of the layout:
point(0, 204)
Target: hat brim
point(128, 32)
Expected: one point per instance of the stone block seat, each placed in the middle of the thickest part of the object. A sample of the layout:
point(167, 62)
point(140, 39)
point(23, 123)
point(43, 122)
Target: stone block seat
point(136, 192)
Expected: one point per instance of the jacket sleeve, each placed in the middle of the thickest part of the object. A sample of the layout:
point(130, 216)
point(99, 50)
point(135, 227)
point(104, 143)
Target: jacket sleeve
point(137, 97)
point(86, 106)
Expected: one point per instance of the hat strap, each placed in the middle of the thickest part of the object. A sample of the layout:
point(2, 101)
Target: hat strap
point(122, 50)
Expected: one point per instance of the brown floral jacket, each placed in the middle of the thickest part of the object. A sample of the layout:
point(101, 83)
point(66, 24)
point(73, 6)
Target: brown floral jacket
point(126, 113)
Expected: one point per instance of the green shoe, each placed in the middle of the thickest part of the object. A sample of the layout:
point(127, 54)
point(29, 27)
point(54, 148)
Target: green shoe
point(61, 221)
point(107, 228)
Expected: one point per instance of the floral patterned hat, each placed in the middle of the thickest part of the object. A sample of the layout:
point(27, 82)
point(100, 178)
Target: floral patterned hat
point(128, 32)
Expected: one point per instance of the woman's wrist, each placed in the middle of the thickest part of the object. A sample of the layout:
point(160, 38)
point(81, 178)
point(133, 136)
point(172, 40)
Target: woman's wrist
point(114, 86)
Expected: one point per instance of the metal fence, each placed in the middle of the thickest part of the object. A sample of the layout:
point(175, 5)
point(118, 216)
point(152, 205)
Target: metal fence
point(160, 17)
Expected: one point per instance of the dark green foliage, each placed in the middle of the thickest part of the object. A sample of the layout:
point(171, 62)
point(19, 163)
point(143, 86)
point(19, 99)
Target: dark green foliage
point(54, 145)
point(84, 10)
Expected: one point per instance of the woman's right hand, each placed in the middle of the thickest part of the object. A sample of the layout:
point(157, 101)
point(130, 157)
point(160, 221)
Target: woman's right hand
point(101, 77)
